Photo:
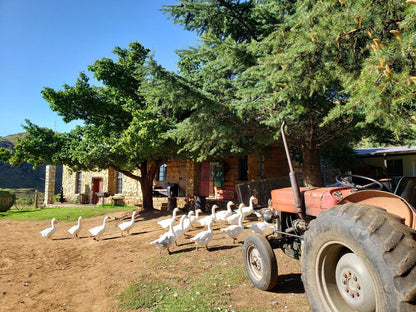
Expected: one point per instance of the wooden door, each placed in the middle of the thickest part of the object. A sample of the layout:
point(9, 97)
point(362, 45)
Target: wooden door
point(97, 187)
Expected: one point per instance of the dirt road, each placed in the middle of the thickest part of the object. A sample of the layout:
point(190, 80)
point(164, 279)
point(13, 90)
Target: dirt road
point(65, 274)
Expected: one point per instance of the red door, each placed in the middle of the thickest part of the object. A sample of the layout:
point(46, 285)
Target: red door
point(97, 187)
point(204, 188)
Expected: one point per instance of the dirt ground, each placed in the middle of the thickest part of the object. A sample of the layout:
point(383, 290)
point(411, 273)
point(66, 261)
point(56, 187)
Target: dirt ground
point(65, 274)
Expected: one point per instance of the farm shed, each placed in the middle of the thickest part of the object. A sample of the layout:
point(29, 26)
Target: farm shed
point(386, 162)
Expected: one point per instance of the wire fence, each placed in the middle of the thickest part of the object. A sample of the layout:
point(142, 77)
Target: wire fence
point(27, 198)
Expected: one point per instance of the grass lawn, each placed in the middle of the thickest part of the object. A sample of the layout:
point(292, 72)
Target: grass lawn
point(206, 291)
point(66, 213)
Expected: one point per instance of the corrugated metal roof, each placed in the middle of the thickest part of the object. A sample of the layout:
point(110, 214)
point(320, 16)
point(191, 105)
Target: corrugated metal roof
point(386, 151)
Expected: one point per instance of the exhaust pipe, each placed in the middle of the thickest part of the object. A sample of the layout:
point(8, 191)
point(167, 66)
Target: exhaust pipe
point(292, 176)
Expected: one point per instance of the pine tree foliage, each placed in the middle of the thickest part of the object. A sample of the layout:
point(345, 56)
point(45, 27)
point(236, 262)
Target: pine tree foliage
point(310, 63)
point(386, 87)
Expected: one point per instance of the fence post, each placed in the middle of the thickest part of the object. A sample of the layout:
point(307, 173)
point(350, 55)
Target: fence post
point(36, 200)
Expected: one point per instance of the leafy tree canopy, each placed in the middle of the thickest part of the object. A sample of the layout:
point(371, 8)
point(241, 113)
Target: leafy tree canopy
point(121, 129)
point(311, 63)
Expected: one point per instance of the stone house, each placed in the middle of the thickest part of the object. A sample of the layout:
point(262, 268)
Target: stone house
point(211, 179)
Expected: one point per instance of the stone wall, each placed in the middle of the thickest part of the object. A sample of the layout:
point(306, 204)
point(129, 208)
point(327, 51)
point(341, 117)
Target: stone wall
point(132, 194)
point(131, 188)
point(193, 178)
point(69, 182)
point(177, 172)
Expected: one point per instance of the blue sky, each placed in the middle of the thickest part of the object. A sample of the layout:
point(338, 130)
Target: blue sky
point(47, 43)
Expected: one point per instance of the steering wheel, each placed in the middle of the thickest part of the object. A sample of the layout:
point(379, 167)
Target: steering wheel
point(346, 180)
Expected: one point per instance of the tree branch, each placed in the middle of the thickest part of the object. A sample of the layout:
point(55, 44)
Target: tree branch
point(127, 173)
point(238, 17)
point(333, 136)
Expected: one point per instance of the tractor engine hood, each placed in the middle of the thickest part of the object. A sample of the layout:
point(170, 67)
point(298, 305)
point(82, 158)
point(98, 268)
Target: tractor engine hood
point(315, 200)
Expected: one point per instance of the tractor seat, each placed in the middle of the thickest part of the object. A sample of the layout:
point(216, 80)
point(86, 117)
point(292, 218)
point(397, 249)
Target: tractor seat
point(406, 188)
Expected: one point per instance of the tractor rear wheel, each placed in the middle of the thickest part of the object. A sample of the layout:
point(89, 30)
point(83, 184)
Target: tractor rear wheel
point(260, 262)
point(359, 258)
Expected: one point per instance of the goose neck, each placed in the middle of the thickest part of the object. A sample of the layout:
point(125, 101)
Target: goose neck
point(174, 213)
point(171, 227)
point(240, 220)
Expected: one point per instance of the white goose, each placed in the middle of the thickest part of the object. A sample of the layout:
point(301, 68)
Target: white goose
point(260, 227)
point(234, 230)
point(224, 214)
point(127, 226)
point(208, 219)
point(203, 238)
point(233, 219)
point(179, 229)
point(187, 223)
point(191, 220)
point(165, 241)
point(248, 210)
point(49, 231)
point(195, 217)
point(166, 222)
point(74, 230)
point(96, 231)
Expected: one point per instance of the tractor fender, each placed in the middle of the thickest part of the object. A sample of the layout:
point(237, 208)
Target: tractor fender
point(390, 202)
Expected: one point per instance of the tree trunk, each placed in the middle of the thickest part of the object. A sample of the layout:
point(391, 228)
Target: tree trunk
point(146, 186)
point(311, 172)
point(148, 174)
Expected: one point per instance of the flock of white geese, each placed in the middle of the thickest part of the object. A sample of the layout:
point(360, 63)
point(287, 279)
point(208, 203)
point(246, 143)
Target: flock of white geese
point(233, 218)
point(95, 231)
point(186, 222)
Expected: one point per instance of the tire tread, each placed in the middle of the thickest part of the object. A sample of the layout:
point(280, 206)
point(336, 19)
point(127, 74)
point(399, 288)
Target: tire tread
point(395, 238)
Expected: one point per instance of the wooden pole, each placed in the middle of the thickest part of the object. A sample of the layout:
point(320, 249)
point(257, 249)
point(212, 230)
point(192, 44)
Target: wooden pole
point(36, 201)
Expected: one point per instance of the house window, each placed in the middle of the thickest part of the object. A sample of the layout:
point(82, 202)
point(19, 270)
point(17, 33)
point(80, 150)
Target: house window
point(395, 167)
point(78, 182)
point(119, 183)
point(242, 169)
point(163, 173)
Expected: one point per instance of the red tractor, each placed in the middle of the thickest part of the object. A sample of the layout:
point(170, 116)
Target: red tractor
point(356, 243)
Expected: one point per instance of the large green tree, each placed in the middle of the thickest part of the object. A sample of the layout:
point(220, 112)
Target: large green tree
point(205, 88)
point(121, 129)
point(310, 63)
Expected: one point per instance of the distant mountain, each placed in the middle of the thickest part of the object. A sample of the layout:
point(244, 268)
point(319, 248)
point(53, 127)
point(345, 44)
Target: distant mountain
point(24, 176)
point(11, 138)
point(6, 144)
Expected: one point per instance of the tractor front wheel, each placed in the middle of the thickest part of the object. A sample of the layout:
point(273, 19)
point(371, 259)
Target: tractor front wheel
point(359, 258)
point(260, 262)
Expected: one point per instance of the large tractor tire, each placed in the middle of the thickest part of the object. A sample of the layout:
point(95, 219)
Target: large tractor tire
point(359, 258)
point(260, 262)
